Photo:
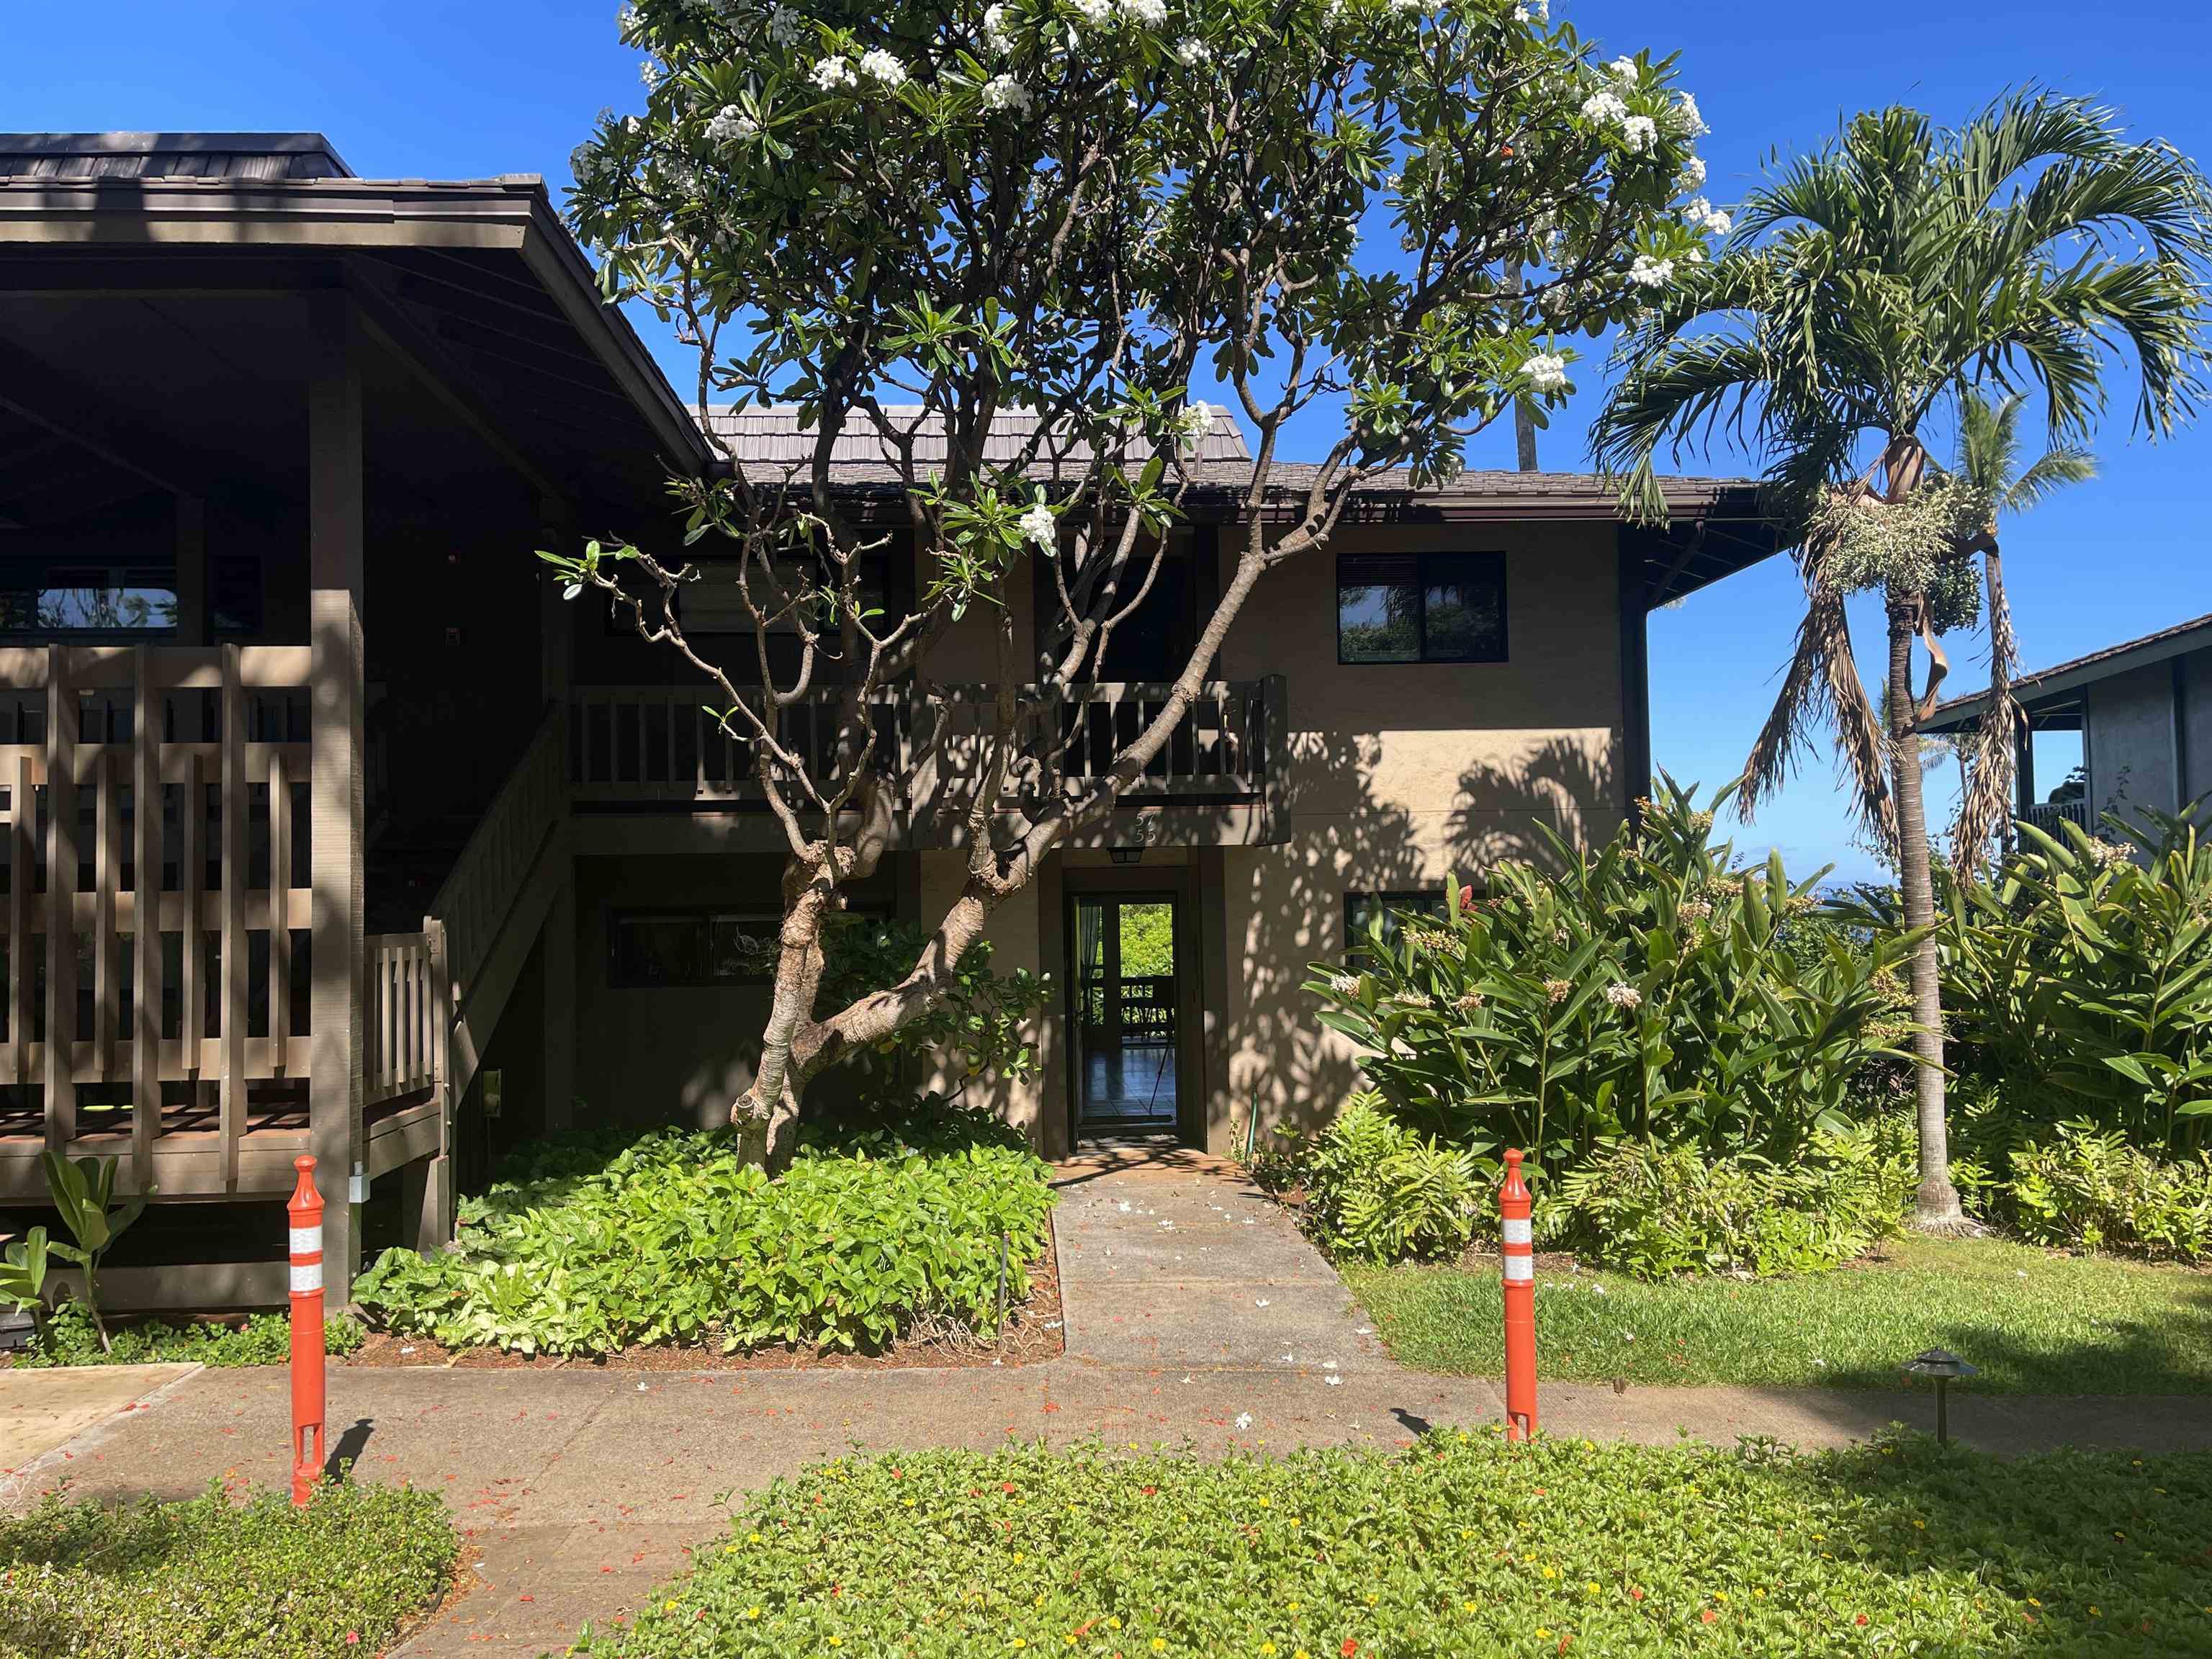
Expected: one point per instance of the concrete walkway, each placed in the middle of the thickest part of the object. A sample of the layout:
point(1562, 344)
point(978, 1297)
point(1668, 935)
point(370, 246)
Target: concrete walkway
point(1196, 1316)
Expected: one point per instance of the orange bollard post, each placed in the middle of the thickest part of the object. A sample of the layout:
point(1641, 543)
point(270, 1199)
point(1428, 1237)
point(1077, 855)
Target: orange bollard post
point(306, 1211)
point(1517, 1249)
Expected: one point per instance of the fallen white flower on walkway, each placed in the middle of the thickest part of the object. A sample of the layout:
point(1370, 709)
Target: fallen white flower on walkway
point(1243, 1419)
point(1334, 1382)
point(1260, 1301)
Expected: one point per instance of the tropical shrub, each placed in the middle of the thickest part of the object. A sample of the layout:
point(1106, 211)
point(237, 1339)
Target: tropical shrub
point(218, 1580)
point(983, 1023)
point(1656, 1211)
point(1649, 991)
point(2089, 1188)
point(674, 1237)
point(1377, 1191)
point(2079, 983)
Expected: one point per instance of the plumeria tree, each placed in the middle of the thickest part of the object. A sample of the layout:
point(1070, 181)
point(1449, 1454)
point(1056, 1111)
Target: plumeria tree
point(912, 220)
point(1867, 289)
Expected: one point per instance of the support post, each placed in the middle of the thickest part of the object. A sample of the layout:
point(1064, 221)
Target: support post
point(145, 967)
point(231, 994)
point(335, 535)
point(62, 711)
point(557, 956)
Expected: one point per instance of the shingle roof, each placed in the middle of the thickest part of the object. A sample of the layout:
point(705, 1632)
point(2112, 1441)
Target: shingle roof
point(859, 458)
point(773, 437)
point(241, 155)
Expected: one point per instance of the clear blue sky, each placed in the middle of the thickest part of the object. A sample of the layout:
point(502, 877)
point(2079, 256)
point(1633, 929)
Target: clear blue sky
point(502, 86)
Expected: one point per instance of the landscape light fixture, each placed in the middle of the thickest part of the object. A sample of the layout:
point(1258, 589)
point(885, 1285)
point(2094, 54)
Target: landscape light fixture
point(1942, 1366)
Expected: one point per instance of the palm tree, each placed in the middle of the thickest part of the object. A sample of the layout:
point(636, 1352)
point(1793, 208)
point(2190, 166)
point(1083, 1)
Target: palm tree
point(1988, 464)
point(1864, 288)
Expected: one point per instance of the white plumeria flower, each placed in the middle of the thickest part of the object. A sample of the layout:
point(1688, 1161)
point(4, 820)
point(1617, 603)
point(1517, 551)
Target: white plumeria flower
point(832, 73)
point(1641, 131)
point(1194, 423)
point(1334, 1382)
point(1003, 92)
point(626, 22)
point(1096, 13)
point(1243, 1419)
point(1624, 70)
point(1648, 272)
point(995, 30)
point(1688, 120)
point(879, 65)
point(783, 25)
point(1546, 372)
point(1408, 7)
point(1192, 51)
point(1150, 13)
point(730, 125)
point(1604, 107)
point(650, 72)
point(1037, 524)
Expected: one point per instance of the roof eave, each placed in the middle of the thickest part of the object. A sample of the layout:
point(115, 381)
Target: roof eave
point(335, 215)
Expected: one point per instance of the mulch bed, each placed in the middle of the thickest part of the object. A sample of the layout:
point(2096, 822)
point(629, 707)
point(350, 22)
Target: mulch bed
point(1032, 1335)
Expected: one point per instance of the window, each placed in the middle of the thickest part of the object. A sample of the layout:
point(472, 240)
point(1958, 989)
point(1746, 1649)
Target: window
point(1360, 908)
point(692, 947)
point(89, 599)
point(1420, 607)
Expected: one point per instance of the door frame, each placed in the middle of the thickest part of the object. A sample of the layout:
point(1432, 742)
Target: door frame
point(1176, 884)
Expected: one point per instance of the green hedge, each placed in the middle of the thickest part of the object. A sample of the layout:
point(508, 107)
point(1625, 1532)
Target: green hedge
point(1457, 1547)
point(674, 1238)
point(214, 1580)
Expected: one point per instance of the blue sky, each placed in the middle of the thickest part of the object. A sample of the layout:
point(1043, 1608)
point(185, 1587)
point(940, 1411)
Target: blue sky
point(506, 86)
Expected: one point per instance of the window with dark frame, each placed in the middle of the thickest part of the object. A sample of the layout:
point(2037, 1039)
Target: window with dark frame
point(1360, 908)
point(1420, 607)
point(653, 949)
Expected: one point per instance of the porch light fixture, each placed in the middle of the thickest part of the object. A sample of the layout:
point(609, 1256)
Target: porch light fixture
point(1942, 1366)
point(1126, 854)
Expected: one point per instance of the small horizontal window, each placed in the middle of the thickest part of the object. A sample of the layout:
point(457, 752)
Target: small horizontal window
point(1420, 607)
point(692, 947)
point(90, 600)
point(1362, 908)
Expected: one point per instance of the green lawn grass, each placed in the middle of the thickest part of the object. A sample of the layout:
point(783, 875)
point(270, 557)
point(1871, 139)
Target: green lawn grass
point(1458, 1547)
point(2036, 1322)
point(212, 1579)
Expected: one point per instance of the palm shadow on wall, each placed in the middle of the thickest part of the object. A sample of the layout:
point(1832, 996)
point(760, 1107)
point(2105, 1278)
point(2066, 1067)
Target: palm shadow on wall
point(1343, 839)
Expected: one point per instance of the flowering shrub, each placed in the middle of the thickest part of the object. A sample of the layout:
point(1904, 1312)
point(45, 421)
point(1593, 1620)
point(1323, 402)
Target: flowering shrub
point(676, 1238)
point(1648, 992)
point(1458, 1545)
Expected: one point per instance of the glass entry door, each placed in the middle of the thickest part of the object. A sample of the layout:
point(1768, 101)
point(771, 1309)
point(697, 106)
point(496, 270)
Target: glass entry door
point(1125, 1014)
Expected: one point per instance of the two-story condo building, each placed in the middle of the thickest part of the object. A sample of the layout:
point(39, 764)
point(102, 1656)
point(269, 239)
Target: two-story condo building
point(326, 827)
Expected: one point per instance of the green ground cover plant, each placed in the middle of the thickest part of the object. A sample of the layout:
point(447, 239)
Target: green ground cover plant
point(2035, 1321)
point(218, 1580)
point(67, 1338)
point(871, 1233)
point(1459, 1546)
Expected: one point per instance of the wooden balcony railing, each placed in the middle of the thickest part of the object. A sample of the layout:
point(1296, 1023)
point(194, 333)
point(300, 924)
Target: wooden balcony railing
point(634, 744)
point(158, 898)
point(471, 906)
point(407, 1016)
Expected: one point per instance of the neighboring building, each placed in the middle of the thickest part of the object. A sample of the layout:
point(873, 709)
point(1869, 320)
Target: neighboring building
point(442, 864)
point(2127, 726)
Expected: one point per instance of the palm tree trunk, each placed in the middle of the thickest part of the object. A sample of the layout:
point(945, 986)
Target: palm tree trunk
point(1937, 1207)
